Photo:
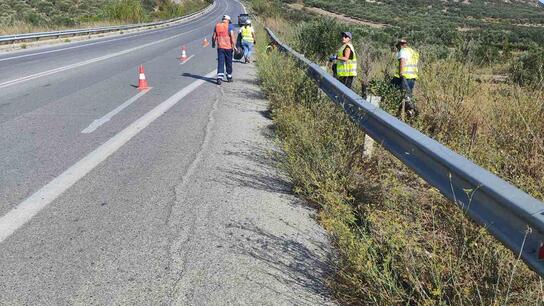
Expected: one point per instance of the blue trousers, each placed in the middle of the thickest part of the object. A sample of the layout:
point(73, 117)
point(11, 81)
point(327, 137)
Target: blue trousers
point(407, 85)
point(224, 58)
point(248, 47)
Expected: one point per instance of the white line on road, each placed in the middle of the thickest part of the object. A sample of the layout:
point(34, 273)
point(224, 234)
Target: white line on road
point(27, 209)
point(98, 122)
point(90, 61)
point(69, 48)
point(185, 61)
point(243, 6)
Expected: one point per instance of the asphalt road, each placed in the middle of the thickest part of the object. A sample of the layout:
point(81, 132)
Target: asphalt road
point(169, 196)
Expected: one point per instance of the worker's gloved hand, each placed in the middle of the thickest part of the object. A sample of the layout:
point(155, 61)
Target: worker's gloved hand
point(332, 58)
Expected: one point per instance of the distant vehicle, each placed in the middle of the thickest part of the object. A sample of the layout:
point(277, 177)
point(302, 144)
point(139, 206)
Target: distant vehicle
point(243, 17)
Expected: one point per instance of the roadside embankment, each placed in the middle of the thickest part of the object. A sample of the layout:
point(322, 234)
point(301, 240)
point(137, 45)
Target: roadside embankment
point(399, 241)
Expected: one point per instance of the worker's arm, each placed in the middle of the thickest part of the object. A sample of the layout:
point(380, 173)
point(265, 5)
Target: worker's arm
point(347, 55)
point(402, 63)
point(233, 39)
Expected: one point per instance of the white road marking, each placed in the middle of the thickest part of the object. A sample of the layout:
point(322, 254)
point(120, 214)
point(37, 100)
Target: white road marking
point(90, 61)
point(69, 48)
point(98, 122)
point(243, 6)
point(26, 210)
point(185, 61)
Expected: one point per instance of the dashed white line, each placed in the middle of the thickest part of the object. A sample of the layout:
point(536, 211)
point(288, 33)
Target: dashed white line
point(69, 48)
point(26, 210)
point(98, 122)
point(185, 61)
point(90, 61)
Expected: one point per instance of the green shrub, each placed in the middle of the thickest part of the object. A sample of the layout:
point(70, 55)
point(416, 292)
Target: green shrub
point(319, 38)
point(130, 11)
point(528, 69)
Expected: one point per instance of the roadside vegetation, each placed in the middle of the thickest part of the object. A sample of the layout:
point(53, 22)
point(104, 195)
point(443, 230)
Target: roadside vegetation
point(399, 240)
point(19, 16)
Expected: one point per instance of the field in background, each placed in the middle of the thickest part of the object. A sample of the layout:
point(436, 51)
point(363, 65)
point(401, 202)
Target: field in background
point(18, 16)
point(399, 240)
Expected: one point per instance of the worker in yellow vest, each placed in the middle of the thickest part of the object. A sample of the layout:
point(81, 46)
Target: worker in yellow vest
point(406, 74)
point(345, 67)
point(247, 34)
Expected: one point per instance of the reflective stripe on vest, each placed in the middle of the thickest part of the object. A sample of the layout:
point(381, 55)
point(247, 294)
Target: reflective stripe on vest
point(349, 67)
point(223, 36)
point(410, 69)
point(247, 34)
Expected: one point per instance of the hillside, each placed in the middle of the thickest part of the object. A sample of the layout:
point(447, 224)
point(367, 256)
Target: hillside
point(433, 21)
point(22, 14)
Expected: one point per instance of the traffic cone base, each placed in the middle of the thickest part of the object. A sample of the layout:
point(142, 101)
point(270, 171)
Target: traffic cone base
point(183, 54)
point(142, 81)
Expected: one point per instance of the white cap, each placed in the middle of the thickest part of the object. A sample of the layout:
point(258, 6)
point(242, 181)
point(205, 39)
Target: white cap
point(226, 17)
point(248, 21)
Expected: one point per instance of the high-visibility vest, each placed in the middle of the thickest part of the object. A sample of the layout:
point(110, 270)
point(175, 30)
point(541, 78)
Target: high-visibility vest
point(349, 67)
point(223, 36)
point(247, 34)
point(410, 70)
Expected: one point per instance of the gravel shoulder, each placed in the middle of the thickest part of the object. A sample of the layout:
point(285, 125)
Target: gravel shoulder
point(250, 240)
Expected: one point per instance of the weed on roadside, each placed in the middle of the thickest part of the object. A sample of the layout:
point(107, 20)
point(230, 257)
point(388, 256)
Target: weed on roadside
point(399, 240)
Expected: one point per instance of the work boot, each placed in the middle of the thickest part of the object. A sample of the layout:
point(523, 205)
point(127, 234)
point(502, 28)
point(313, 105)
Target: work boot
point(411, 109)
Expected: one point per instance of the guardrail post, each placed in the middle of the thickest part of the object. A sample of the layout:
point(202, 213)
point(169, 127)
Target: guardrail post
point(368, 146)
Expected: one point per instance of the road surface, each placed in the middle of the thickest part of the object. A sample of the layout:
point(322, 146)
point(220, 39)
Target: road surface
point(167, 196)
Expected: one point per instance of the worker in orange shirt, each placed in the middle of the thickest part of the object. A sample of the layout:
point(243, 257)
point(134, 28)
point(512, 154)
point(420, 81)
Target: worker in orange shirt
point(225, 40)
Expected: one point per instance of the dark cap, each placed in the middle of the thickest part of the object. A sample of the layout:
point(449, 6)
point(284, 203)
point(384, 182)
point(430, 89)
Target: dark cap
point(347, 34)
point(401, 42)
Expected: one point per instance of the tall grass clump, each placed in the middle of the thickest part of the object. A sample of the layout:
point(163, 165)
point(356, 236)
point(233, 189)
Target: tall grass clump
point(130, 11)
point(399, 240)
point(499, 126)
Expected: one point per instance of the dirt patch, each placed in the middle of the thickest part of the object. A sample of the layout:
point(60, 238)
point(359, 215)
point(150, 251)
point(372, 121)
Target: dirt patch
point(344, 18)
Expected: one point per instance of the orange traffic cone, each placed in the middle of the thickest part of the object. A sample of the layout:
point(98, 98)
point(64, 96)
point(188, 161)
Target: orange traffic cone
point(183, 54)
point(205, 42)
point(142, 82)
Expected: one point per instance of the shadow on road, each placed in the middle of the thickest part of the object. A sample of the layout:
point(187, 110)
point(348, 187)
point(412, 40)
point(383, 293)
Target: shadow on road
point(288, 261)
point(260, 173)
point(199, 77)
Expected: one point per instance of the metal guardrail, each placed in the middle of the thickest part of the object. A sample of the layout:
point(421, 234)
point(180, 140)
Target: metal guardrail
point(511, 215)
point(56, 34)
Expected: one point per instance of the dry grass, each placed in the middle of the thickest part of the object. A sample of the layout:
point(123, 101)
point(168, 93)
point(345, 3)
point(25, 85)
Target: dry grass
point(399, 241)
point(499, 126)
